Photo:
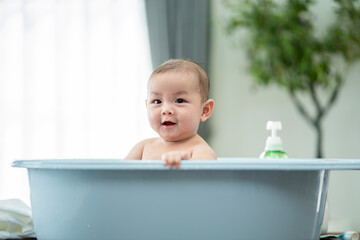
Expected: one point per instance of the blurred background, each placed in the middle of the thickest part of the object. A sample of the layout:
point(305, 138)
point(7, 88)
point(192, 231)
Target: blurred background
point(73, 80)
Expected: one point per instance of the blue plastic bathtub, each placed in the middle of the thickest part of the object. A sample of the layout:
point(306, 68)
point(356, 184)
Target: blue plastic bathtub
point(224, 199)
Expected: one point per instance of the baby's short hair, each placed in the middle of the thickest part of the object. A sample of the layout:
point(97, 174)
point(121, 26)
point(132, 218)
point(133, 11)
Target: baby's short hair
point(187, 66)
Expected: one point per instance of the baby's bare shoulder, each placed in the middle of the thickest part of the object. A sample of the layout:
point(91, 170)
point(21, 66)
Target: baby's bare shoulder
point(150, 142)
point(203, 151)
point(136, 153)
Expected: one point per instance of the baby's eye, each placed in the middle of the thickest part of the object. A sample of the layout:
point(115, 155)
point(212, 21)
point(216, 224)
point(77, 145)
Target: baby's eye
point(179, 100)
point(156, 101)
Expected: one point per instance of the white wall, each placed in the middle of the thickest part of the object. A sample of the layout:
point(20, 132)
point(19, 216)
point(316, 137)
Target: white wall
point(240, 115)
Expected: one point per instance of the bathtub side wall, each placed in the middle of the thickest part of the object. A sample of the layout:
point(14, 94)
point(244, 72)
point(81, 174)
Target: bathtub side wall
point(193, 204)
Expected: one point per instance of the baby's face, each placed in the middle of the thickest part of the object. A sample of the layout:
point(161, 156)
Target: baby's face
point(174, 105)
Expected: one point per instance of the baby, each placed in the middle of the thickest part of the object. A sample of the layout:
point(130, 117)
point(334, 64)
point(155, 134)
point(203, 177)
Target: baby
point(177, 100)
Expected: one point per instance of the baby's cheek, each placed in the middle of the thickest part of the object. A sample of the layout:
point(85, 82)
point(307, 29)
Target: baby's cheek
point(153, 119)
point(192, 124)
point(151, 111)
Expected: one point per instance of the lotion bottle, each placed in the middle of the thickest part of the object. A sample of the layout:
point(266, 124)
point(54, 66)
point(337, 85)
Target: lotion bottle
point(273, 146)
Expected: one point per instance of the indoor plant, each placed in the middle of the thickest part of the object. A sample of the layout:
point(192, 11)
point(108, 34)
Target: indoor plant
point(285, 49)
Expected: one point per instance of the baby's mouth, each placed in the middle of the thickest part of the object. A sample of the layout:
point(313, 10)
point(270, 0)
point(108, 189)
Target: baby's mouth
point(168, 123)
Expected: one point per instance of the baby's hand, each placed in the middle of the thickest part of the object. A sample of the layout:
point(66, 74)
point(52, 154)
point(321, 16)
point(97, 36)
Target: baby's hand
point(174, 158)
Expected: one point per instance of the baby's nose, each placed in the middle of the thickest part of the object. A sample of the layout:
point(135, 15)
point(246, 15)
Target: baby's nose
point(167, 109)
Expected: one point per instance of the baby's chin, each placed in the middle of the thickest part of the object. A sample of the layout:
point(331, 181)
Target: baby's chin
point(170, 138)
point(177, 139)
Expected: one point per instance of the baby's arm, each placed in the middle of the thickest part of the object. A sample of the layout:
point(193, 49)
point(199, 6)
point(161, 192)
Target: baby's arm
point(200, 152)
point(136, 152)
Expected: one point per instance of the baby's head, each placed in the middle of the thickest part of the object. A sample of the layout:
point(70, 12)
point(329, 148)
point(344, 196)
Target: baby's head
point(178, 99)
point(187, 66)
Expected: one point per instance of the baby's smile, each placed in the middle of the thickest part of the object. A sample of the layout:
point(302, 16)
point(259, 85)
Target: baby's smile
point(168, 123)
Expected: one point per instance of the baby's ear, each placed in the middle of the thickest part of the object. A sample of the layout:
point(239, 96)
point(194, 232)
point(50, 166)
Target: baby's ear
point(146, 103)
point(207, 109)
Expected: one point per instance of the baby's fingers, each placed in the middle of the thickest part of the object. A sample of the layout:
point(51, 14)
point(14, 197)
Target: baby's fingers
point(174, 160)
point(164, 159)
point(171, 159)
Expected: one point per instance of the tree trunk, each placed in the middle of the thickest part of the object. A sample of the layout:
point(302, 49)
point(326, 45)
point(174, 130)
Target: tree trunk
point(316, 123)
point(319, 139)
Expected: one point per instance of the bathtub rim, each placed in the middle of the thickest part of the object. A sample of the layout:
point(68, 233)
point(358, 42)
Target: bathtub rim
point(219, 164)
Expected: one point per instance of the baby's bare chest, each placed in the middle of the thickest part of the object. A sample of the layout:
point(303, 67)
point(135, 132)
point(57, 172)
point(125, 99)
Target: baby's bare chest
point(155, 151)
